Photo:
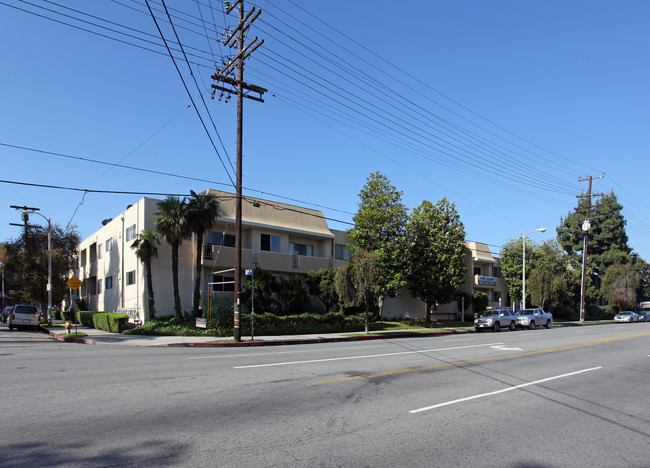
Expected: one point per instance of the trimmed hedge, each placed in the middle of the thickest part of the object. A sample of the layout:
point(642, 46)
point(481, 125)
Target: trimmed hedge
point(269, 324)
point(85, 317)
point(114, 323)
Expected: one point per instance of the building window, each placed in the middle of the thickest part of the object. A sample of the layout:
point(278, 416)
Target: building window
point(341, 252)
point(218, 238)
point(302, 249)
point(222, 283)
point(99, 251)
point(130, 233)
point(496, 296)
point(109, 244)
point(270, 243)
point(477, 270)
point(496, 272)
point(109, 282)
point(99, 286)
point(130, 277)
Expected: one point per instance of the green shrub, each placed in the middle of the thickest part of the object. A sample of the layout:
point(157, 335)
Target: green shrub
point(66, 315)
point(56, 314)
point(85, 317)
point(81, 304)
point(594, 312)
point(270, 324)
point(171, 326)
point(566, 313)
point(114, 323)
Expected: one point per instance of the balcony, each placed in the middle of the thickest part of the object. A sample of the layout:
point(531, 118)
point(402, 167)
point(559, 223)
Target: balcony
point(272, 261)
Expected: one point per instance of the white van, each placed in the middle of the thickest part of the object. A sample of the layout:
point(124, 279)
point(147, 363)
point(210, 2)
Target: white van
point(24, 315)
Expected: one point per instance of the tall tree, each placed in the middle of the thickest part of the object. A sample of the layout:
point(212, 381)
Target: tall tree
point(619, 285)
point(643, 269)
point(549, 282)
point(26, 269)
point(379, 227)
point(511, 256)
point(436, 267)
point(173, 227)
point(357, 282)
point(202, 212)
point(146, 249)
point(607, 232)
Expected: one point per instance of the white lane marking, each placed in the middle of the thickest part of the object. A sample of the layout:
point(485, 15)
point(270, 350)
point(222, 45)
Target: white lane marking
point(361, 357)
point(460, 400)
point(275, 352)
point(505, 348)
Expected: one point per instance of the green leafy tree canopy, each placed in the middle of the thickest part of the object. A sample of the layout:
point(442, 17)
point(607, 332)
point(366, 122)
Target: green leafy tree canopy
point(436, 250)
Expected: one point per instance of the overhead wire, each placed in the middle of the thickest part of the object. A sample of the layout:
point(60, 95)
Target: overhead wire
point(191, 98)
point(206, 57)
point(168, 174)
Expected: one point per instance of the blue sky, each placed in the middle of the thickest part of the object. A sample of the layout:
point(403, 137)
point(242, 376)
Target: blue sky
point(499, 106)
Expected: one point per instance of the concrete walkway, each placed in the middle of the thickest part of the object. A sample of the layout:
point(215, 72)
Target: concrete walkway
point(101, 337)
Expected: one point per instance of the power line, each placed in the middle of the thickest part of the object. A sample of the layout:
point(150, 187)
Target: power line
point(190, 94)
point(167, 174)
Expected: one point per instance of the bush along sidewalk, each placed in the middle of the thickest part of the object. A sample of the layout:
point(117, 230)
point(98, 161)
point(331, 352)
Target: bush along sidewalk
point(111, 322)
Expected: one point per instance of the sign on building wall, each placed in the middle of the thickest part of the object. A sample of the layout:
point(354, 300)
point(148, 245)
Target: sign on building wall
point(487, 280)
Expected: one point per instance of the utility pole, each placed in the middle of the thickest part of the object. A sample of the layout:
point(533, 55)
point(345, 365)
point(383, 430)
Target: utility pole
point(586, 225)
point(26, 212)
point(236, 38)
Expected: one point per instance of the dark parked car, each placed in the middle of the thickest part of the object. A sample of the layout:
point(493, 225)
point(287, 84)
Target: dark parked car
point(5, 313)
point(643, 316)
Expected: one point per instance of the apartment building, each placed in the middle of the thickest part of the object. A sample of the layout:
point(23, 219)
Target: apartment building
point(281, 238)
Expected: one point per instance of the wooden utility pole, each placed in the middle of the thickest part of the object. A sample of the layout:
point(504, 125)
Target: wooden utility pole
point(236, 38)
point(586, 225)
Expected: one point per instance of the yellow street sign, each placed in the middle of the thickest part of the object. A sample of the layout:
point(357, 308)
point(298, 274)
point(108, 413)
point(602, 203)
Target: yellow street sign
point(74, 283)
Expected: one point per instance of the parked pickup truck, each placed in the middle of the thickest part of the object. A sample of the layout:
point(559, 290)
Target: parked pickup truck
point(496, 320)
point(531, 318)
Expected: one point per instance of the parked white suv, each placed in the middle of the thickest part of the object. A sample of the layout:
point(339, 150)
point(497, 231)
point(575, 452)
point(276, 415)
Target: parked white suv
point(531, 318)
point(496, 320)
point(24, 315)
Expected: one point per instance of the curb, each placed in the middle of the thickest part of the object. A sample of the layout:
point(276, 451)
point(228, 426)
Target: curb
point(298, 341)
point(307, 341)
point(66, 339)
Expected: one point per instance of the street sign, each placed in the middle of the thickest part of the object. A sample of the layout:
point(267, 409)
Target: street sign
point(249, 271)
point(74, 283)
point(201, 322)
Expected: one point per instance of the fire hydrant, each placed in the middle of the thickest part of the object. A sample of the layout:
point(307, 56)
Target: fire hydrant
point(68, 326)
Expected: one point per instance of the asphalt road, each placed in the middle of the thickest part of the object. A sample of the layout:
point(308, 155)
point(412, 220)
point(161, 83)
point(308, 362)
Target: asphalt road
point(543, 398)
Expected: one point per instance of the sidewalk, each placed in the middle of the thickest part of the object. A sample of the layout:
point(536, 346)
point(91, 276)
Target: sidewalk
point(101, 337)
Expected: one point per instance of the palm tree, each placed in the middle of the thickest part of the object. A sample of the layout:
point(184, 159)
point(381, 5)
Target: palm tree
point(202, 212)
point(146, 248)
point(172, 225)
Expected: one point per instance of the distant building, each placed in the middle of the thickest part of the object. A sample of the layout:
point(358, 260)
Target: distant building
point(280, 238)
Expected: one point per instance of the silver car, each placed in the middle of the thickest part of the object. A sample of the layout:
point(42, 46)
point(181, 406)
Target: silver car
point(627, 316)
point(24, 315)
point(496, 320)
point(531, 318)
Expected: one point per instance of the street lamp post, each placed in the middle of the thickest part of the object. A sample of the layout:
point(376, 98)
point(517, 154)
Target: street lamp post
point(523, 275)
point(49, 263)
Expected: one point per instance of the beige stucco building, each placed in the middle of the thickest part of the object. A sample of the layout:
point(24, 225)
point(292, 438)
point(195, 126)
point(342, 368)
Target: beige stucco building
point(280, 238)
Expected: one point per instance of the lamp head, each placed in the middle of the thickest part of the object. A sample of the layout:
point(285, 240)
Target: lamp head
point(541, 229)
